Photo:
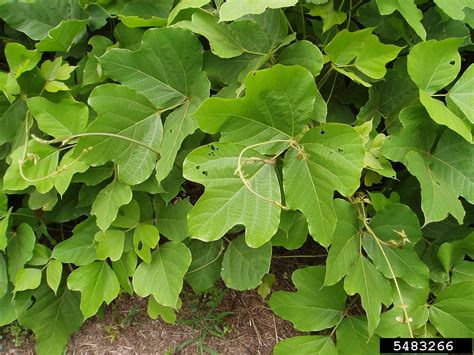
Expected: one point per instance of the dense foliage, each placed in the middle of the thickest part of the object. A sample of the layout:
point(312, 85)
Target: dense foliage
point(148, 143)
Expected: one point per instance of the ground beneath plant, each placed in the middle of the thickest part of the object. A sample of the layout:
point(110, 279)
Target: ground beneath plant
point(126, 328)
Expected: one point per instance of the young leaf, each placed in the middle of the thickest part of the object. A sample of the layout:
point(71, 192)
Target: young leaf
point(122, 112)
point(163, 277)
point(54, 271)
point(434, 64)
point(109, 244)
point(97, 283)
point(452, 312)
point(80, 249)
point(166, 69)
point(306, 344)
point(234, 9)
point(20, 249)
point(226, 201)
point(278, 104)
point(454, 9)
point(108, 202)
point(243, 267)
point(313, 307)
point(53, 318)
point(331, 160)
point(409, 11)
point(372, 287)
point(145, 238)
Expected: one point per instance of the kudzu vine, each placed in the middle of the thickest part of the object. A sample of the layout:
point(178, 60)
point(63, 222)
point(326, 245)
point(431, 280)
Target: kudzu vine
point(202, 139)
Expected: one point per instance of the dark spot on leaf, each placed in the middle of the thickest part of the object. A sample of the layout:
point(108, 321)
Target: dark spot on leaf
point(212, 147)
point(140, 245)
point(452, 62)
point(171, 131)
point(340, 150)
point(198, 166)
point(204, 173)
point(322, 131)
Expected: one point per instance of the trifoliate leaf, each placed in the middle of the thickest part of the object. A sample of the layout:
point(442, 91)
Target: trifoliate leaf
point(234, 9)
point(452, 312)
point(331, 159)
point(362, 50)
point(345, 245)
point(80, 249)
point(306, 344)
point(122, 113)
point(330, 16)
point(166, 69)
point(434, 64)
point(205, 268)
point(145, 238)
point(409, 11)
point(20, 249)
point(444, 172)
point(59, 119)
point(227, 201)
point(313, 307)
point(54, 271)
point(97, 283)
point(243, 267)
point(53, 319)
point(373, 288)
point(108, 202)
point(163, 277)
point(277, 106)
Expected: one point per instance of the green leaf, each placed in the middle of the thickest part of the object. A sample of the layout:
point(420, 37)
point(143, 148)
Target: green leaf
point(434, 64)
point(8, 313)
point(362, 50)
point(155, 310)
point(27, 279)
point(3, 230)
point(183, 5)
point(63, 36)
point(243, 267)
point(409, 11)
point(306, 344)
point(108, 202)
point(454, 9)
point(226, 201)
point(128, 216)
point(372, 287)
point(444, 172)
point(20, 249)
point(443, 116)
point(462, 93)
point(345, 245)
point(97, 283)
point(278, 104)
point(172, 220)
point(302, 53)
point(54, 271)
point(20, 59)
point(292, 231)
point(124, 268)
point(452, 312)
point(153, 71)
point(329, 15)
point(352, 338)
point(234, 9)
point(41, 255)
point(80, 249)
point(67, 168)
point(3, 277)
point(11, 118)
point(145, 238)
point(314, 306)
point(398, 229)
point(415, 301)
point(109, 244)
point(464, 271)
point(145, 13)
point(331, 160)
point(59, 119)
point(206, 265)
point(163, 277)
point(229, 40)
point(53, 318)
point(122, 112)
